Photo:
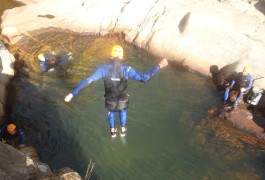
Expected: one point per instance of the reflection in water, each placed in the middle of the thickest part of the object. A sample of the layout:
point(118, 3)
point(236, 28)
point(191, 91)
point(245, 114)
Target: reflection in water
point(123, 140)
point(168, 136)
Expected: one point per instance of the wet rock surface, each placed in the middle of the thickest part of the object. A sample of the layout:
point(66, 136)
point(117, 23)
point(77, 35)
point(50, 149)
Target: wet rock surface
point(198, 34)
point(243, 124)
point(245, 120)
point(24, 164)
point(13, 163)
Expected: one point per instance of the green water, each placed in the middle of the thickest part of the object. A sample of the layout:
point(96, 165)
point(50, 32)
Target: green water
point(169, 135)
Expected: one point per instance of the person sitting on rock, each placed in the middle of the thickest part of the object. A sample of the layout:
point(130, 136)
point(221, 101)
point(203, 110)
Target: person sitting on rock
point(242, 83)
point(222, 77)
point(10, 134)
point(48, 61)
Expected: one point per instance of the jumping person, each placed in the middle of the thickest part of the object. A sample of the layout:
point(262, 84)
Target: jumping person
point(241, 83)
point(115, 77)
point(10, 134)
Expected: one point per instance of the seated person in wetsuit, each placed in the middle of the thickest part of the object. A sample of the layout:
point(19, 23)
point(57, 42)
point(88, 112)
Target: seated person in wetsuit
point(241, 83)
point(10, 134)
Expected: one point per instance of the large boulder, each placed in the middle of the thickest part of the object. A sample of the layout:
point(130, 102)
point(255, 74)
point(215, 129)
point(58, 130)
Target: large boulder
point(6, 73)
point(243, 119)
point(24, 164)
point(15, 165)
point(197, 34)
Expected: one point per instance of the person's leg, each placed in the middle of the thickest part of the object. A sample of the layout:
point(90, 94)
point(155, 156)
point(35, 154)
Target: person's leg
point(123, 119)
point(111, 119)
point(227, 90)
point(240, 94)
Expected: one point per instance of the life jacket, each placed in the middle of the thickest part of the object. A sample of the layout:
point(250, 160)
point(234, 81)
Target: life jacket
point(116, 97)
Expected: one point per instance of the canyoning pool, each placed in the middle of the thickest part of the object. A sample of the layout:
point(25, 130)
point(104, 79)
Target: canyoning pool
point(169, 133)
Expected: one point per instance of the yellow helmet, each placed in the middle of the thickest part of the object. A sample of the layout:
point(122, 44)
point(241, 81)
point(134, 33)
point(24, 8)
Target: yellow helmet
point(117, 51)
point(11, 128)
point(246, 69)
point(41, 57)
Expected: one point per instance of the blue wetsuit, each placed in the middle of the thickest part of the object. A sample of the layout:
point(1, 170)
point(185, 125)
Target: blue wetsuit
point(44, 65)
point(47, 65)
point(239, 82)
point(127, 72)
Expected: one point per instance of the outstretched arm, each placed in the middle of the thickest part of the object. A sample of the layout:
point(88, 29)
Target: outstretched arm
point(143, 77)
point(86, 82)
point(80, 86)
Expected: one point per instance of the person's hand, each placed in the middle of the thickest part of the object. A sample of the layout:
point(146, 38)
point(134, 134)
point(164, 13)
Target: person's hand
point(68, 97)
point(242, 89)
point(163, 63)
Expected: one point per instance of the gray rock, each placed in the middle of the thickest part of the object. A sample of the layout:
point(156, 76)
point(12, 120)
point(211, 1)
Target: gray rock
point(197, 34)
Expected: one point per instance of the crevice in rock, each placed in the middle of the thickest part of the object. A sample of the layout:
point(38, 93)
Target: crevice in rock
point(122, 10)
point(183, 22)
point(49, 16)
point(146, 20)
point(153, 27)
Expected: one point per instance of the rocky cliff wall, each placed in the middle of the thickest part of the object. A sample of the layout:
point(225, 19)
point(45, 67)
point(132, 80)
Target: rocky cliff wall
point(195, 33)
point(6, 73)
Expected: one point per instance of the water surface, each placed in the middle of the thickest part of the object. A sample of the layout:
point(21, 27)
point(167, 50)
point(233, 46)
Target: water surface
point(169, 133)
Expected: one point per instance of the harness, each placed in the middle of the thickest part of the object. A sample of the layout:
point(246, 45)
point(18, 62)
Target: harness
point(116, 97)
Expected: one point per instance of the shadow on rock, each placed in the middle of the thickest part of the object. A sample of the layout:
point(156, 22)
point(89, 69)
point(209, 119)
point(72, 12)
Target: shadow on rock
point(260, 6)
point(34, 108)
